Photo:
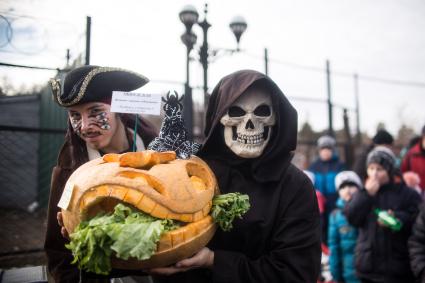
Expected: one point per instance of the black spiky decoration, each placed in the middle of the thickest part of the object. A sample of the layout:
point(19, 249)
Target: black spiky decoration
point(173, 134)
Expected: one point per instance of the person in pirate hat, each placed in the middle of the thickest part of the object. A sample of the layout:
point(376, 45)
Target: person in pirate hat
point(93, 130)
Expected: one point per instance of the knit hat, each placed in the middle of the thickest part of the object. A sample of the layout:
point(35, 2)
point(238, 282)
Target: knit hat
point(382, 137)
point(326, 142)
point(347, 178)
point(382, 156)
point(93, 83)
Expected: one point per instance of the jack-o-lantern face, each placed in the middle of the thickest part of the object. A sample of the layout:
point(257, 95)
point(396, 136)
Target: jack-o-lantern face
point(155, 183)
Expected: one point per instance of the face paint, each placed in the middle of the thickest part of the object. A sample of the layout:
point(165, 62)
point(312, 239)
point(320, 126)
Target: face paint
point(96, 117)
point(95, 124)
point(102, 121)
point(76, 125)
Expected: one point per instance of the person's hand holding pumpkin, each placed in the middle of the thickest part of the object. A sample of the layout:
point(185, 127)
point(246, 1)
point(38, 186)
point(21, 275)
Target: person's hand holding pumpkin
point(60, 222)
point(202, 259)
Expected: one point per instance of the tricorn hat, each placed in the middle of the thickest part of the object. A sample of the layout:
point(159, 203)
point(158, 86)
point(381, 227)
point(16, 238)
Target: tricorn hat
point(93, 83)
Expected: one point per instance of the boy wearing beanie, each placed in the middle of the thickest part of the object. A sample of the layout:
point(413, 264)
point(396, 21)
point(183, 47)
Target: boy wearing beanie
point(325, 168)
point(342, 236)
point(381, 138)
point(381, 252)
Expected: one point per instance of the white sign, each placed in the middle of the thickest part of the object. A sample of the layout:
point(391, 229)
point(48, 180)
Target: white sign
point(138, 103)
point(66, 196)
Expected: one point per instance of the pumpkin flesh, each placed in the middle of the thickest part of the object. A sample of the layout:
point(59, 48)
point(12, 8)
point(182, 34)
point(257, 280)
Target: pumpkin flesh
point(178, 189)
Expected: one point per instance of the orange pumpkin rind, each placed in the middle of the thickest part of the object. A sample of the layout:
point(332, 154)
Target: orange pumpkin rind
point(156, 183)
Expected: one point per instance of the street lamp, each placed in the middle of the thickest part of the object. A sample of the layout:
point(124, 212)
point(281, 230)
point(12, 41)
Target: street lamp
point(238, 26)
point(189, 16)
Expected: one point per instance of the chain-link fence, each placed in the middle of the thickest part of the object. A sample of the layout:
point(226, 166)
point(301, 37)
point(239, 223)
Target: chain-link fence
point(31, 133)
point(24, 177)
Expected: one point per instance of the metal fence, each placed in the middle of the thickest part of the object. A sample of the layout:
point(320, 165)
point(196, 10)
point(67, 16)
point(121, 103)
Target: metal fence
point(31, 132)
point(27, 156)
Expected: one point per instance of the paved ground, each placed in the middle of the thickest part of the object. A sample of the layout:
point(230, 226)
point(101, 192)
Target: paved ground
point(21, 238)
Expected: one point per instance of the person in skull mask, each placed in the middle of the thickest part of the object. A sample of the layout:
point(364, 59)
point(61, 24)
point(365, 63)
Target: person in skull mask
point(251, 131)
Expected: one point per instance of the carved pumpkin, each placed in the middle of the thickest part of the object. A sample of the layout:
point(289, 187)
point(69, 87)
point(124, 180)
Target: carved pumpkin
point(155, 183)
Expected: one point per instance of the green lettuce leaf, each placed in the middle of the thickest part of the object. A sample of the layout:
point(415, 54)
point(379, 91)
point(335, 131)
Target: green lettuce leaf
point(125, 232)
point(225, 208)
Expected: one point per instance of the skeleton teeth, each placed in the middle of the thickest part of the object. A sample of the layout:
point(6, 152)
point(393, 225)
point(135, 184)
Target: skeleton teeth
point(250, 139)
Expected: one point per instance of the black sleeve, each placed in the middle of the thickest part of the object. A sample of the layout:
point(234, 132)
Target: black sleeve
point(58, 257)
point(417, 245)
point(295, 248)
point(409, 212)
point(358, 208)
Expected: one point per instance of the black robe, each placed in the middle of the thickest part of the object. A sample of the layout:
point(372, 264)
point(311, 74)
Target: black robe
point(278, 239)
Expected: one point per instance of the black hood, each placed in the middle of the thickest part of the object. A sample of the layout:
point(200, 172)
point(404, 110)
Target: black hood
point(278, 153)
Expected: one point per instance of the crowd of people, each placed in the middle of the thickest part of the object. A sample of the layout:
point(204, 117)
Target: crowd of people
point(365, 216)
point(370, 221)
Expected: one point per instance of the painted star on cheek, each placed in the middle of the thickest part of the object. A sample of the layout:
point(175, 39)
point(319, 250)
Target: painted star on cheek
point(103, 121)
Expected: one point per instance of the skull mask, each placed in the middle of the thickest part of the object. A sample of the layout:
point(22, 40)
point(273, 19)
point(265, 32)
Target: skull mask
point(247, 124)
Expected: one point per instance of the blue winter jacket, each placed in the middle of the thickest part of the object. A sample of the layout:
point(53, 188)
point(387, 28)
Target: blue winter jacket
point(324, 174)
point(342, 242)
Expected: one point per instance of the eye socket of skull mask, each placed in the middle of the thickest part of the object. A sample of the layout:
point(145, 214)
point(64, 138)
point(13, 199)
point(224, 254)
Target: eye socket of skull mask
point(248, 123)
point(236, 111)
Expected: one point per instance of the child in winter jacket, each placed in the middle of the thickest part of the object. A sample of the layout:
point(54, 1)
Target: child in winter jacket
point(342, 236)
point(325, 168)
point(381, 249)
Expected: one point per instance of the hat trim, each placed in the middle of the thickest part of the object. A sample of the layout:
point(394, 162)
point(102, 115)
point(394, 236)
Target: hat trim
point(55, 86)
point(87, 80)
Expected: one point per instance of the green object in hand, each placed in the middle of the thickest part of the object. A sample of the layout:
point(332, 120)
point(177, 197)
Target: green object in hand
point(389, 220)
point(227, 207)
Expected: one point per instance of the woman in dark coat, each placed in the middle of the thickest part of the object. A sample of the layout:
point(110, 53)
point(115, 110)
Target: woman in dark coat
point(381, 253)
point(92, 131)
point(249, 146)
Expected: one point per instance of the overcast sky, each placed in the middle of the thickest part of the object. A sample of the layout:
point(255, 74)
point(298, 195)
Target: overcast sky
point(381, 38)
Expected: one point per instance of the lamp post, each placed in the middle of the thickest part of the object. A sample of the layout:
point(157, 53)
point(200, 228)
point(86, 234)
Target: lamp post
point(189, 16)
